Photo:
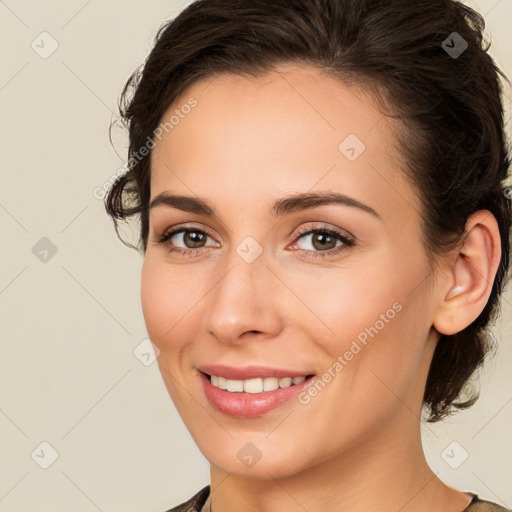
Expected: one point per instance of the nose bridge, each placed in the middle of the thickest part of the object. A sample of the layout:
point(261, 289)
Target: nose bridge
point(241, 300)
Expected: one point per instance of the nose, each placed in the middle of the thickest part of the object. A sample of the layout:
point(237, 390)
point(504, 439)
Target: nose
point(243, 303)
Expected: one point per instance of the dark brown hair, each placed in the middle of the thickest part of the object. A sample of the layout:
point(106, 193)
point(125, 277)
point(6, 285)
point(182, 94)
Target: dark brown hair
point(450, 107)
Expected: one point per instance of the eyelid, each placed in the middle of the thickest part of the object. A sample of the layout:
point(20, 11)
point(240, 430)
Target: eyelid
point(312, 227)
point(184, 227)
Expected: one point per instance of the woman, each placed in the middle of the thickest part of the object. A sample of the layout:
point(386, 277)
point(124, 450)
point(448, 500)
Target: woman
point(325, 230)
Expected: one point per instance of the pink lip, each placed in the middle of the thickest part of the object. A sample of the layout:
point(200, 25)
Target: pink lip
point(249, 405)
point(249, 372)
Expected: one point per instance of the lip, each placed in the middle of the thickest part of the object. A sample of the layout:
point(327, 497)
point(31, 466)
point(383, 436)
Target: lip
point(250, 405)
point(250, 372)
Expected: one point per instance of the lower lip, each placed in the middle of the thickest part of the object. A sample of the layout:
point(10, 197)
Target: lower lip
point(249, 405)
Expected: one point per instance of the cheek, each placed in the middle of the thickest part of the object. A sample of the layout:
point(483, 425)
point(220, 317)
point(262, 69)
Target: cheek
point(154, 300)
point(167, 303)
point(381, 351)
point(366, 319)
point(343, 303)
point(372, 297)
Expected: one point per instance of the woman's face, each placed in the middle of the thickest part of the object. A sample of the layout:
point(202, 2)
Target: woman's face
point(257, 281)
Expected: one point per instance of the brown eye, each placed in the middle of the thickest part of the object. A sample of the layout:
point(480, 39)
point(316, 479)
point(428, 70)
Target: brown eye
point(184, 239)
point(320, 240)
point(323, 241)
point(193, 239)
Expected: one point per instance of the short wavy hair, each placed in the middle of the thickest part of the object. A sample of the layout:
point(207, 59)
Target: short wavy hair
point(412, 56)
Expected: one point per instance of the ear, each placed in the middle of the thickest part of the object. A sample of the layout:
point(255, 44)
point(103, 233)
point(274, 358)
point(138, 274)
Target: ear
point(467, 282)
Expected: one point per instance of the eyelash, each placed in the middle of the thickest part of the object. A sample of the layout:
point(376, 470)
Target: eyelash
point(347, 242)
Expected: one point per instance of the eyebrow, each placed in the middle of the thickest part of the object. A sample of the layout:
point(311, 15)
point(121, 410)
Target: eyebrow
point(280, 207)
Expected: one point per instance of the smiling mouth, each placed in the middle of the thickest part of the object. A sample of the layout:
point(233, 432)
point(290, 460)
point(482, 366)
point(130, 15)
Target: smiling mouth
point(256, 385)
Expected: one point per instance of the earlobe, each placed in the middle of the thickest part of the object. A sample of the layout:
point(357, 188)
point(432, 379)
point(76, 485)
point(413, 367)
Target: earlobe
point(471, 275)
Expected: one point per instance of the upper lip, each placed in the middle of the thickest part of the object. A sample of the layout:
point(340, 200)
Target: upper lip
point(249, 372)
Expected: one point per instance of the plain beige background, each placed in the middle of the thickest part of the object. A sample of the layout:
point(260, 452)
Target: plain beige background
point(73, 373)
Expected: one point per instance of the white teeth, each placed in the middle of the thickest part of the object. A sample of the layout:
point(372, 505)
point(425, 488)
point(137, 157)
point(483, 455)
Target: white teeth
point(251, 385)
point(285, 382)
point(221, 382)
point(235, 385)
point(256, 385)
point(270, 384)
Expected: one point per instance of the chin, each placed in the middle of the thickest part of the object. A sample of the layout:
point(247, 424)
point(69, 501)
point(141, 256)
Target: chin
point(264, 469)
point(245, 456)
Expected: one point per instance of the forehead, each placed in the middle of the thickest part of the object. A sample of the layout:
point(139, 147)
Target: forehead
point(299, 99)
point(290, 130)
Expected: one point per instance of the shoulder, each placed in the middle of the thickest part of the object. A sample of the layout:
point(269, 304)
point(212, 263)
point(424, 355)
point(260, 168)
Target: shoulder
point(478, 505)
point(195, 503)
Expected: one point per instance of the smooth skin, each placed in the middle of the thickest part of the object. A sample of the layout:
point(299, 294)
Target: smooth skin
point(248, 143)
